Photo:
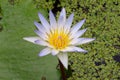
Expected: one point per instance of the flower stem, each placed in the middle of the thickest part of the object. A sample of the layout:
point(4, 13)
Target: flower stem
point(62, 71)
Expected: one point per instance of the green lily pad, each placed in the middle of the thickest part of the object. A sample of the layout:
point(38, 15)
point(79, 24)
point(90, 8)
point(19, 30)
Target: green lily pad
point(19, 59)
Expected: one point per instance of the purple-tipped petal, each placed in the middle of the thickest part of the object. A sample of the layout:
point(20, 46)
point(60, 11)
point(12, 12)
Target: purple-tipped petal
point(41, 42)
point(45, 52)
point(43, 36)
point(40, 27)
point(44, 22)
point(31, 39)
point(54, 52)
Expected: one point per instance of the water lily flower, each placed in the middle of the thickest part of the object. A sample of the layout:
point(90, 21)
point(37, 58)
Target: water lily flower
point(59, 37)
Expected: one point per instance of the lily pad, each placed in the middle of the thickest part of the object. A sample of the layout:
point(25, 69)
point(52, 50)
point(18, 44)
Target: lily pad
point(19, 59)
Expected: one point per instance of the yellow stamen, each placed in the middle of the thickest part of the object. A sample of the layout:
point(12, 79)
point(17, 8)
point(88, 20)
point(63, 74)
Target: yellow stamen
point(59, 40)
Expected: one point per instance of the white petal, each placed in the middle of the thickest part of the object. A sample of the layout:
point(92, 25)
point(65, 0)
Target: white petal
point(63, 57)
point(53, 22)
point(31, 39)
point(85, 40)
point(43, 36)
point(78, 34)
point(41, 42)
point(73, 49)
point(79, 49)
point(44, 22)
point(68, 49)
point(45, 52)
point(68, 23)
point(78, 41)
point(60, 23)
point(76, 27)
point(74, 41)
point(55, 52)
point(40, 27)
point(62, 19)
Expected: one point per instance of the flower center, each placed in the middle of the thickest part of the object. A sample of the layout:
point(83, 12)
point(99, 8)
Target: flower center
point(59, 40)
